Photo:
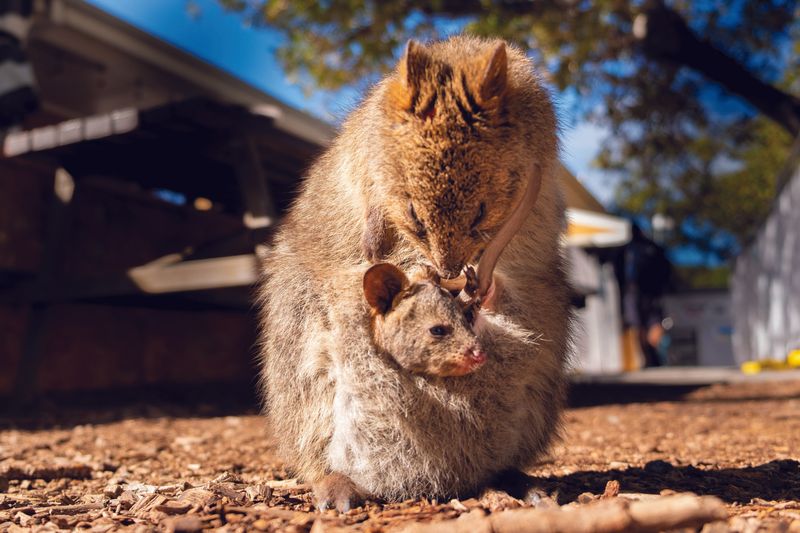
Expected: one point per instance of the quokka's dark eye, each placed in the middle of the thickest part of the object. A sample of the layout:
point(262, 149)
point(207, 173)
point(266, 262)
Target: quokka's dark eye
point(440, 331)
point(419, 227)
point(479, 217)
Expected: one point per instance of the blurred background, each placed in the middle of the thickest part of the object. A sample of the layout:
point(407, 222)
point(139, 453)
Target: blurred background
point(150, 148)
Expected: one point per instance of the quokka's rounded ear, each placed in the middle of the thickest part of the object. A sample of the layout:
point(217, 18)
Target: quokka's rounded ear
point(382, 282)
point(415, 64)
point(488, 76)
point(495, 73)
point(412, 71)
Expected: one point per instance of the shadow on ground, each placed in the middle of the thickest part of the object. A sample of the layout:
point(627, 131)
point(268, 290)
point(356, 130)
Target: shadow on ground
point(594, 394)
point(775, 480)
point(220, 399)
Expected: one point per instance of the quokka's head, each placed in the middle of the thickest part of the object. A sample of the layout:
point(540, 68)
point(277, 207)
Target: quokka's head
point(466, 120)
point(422, 326)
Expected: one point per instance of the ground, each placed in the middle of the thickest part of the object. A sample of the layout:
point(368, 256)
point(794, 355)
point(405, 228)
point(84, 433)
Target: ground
point(156, 468)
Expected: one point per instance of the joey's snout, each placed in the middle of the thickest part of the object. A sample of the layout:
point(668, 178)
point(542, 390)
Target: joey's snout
point(476, 355)
point(470, 360)
point(473, 358)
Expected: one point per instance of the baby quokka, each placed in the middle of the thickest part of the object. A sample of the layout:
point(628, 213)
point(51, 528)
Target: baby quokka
point(422, 326)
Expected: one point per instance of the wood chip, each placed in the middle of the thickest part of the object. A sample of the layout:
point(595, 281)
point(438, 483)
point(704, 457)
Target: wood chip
point(183, 524)
point(720, 441)
point(498, 500)
point(258, 493)
point(23, 519)
point(147, 503)
point(47, 473)
point(612, 490)
point(458, 506)
point(605, 516)
point(73, 509)
point(173, 508)
point(198, 497)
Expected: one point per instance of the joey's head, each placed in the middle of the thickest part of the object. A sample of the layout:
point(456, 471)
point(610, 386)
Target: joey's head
point(422, 326)
point(465, 123)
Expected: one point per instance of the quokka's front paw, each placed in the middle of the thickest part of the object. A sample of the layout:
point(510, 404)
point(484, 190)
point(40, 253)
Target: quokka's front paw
point(336, 491)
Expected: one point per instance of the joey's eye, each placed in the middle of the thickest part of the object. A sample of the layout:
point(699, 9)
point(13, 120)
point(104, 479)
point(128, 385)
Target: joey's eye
point(440, 331)
point(419, 227)
point(479, 216)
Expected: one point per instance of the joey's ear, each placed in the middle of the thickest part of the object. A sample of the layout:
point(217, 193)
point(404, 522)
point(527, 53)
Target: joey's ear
point(489, 77)
point(411, 73)
point(382, 282)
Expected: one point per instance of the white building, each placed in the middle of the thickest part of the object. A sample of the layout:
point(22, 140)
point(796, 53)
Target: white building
point(766, 282)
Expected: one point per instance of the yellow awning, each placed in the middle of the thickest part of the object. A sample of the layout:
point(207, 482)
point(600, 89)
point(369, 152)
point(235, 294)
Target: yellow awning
point(597, 230)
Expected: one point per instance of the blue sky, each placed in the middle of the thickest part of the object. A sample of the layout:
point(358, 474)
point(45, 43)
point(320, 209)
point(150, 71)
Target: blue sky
point(206, 30)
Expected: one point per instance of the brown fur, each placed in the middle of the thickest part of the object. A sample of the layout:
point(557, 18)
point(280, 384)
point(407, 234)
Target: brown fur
point(336, 491)
point(335, 403)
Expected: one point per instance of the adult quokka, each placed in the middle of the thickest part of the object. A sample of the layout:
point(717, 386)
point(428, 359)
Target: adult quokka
point(447, 162)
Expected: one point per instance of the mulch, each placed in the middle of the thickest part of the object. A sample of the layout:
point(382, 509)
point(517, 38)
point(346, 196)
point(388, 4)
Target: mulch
point(158, 470)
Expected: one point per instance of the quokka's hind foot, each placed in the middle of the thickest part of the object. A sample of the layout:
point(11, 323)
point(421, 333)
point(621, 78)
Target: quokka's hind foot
point(336, 491)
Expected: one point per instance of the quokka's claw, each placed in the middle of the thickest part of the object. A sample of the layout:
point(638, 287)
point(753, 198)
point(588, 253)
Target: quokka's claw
point(471, 285)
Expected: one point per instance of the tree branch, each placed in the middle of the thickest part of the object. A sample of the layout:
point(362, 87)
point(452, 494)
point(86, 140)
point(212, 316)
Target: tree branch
point(665, 36)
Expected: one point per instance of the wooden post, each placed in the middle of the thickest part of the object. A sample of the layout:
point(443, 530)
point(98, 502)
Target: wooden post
point(58, 222)
point(259, 207)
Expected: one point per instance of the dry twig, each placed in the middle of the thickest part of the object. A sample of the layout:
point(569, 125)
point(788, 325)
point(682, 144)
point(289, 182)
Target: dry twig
point(605, 516)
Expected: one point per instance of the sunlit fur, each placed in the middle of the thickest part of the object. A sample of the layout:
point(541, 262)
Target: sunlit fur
point(335, 403)
point(467, 151)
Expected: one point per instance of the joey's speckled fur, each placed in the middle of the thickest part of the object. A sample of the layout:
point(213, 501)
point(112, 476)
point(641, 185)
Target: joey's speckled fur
point(420, 325)
point(423, 172)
